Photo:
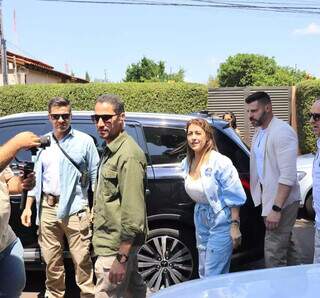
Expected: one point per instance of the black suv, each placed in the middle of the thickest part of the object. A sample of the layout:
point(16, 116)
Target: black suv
point(169, 256)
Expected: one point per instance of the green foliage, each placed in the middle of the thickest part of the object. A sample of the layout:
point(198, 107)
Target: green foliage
point(257, 70)
point(175, 77)
point(307, 92)
point(146, 70)
point(213, 82)
point(138, 97)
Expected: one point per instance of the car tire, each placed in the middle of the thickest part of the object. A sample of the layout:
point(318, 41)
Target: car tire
point(168, 257)
point(308, 205)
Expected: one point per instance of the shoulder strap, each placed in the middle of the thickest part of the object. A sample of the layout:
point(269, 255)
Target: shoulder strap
point(66, 154)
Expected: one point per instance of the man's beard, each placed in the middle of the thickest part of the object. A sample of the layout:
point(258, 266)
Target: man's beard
point(258, 122)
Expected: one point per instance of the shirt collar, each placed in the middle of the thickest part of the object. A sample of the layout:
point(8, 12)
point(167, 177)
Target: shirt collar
point(318, 143)
point(70, 133)
point(117, 142)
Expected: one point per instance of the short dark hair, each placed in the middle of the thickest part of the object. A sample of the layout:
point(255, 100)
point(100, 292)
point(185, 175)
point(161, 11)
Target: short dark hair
point(58, 102)
point(113, 100)
point(261, 96)
point(233, 122)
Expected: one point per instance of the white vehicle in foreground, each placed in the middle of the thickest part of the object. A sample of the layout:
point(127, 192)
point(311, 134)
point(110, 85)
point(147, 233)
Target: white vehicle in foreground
point(304, 168)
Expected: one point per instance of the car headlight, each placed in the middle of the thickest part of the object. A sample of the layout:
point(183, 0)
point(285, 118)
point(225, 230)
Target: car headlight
point(301, 175)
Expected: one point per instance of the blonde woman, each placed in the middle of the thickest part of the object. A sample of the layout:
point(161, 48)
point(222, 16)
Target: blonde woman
point(213, 183)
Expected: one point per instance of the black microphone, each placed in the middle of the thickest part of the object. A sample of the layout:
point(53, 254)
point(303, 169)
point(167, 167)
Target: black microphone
point(44, 142)
point(27, 168)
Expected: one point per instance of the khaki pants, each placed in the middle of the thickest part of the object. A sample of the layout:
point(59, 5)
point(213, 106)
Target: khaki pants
point(280, 246)
point(76, 228)
point(132, 285)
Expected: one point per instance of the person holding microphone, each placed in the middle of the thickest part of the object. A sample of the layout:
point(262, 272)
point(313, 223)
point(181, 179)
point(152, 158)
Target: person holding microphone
point(12, 271)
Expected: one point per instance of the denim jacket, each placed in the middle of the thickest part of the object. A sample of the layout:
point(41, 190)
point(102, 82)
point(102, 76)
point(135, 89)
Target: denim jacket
point(220, 181)
point(73, 197)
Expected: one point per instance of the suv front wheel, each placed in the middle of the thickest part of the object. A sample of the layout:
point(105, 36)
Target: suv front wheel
point(168, 257)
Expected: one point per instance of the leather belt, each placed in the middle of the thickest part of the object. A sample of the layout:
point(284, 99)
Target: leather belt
point(52, 200)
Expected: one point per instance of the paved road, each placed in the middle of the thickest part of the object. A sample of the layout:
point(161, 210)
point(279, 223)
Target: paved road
point(303, 228)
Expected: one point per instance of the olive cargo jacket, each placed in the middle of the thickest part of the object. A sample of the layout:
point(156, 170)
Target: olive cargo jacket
point(119, 201)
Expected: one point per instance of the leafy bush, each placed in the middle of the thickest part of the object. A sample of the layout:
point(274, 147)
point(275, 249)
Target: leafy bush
point(138, 97)
point(307, 92)
point(257, 70)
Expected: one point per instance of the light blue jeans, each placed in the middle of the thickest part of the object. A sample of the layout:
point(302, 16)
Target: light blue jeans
point(12, 272)
point(214, 242)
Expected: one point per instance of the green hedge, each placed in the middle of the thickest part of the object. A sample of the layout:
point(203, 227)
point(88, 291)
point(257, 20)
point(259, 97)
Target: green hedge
point(138, 97)
point(307, 91)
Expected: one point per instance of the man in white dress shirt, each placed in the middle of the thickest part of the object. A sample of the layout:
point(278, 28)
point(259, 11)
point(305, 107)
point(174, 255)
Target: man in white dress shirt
point(273, 180)
point(315, 123)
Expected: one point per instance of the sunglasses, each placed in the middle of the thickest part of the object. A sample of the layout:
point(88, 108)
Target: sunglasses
point(315, 116)
point(104, 117)
point(57, 116)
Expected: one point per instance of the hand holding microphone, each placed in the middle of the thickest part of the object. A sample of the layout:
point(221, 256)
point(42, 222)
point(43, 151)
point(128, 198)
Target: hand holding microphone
point(29, 140)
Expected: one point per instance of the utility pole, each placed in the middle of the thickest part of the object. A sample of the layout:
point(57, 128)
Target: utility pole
point(105, 75)
point(4, 67)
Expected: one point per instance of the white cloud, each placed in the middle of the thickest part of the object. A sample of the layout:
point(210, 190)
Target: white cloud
point(311, 29)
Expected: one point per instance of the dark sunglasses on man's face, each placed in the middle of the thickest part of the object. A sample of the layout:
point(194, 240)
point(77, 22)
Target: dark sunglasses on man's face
point(57, 116)
point(315, 116)
point(104, 117)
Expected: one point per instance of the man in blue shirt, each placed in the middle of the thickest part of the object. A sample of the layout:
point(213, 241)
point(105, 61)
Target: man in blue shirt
point(61, 196)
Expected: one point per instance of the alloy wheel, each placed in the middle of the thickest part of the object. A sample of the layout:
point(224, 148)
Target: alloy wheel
point(164, 261)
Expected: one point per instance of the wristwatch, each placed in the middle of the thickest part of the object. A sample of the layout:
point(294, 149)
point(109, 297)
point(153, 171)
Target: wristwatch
point(235, 221)
point(121, 258)
point(276, 208)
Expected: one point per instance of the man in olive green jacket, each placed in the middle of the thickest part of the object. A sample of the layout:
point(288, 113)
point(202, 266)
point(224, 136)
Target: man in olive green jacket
point(120, 223)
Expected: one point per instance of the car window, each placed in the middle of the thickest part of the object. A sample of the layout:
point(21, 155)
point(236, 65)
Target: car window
point(10, 131)
point(89, 128)
point(165, 144)
point(229, 148)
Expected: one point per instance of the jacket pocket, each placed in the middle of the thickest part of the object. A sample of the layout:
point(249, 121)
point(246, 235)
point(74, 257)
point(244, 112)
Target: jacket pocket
point(110, 183)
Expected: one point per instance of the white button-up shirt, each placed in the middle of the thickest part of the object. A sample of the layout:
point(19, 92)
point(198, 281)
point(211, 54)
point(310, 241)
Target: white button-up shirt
point(316, 185)
point(259, 150)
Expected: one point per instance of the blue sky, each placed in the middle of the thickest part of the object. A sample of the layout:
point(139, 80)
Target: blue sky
point(99, 37)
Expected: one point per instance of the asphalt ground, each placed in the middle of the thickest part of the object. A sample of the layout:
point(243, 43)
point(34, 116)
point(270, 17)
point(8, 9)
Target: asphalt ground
point(303, 228)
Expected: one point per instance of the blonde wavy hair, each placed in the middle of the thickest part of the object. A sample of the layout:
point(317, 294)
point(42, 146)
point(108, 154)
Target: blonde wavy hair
point(208, 129)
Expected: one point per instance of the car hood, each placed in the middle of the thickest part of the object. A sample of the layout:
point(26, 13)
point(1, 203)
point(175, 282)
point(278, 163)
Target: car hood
point(305, 161)
point(294, 282)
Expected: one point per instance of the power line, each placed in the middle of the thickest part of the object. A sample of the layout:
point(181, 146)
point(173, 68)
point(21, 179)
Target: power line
point(244, 5)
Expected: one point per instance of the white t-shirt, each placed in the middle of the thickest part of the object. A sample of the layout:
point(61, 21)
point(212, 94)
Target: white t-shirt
point(316, 185)
point(7, 236)
point(259, 150)
point(50, 158)
point(194, 189)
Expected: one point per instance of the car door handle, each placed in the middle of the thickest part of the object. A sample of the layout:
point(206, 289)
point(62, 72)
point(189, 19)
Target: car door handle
point(148, 192)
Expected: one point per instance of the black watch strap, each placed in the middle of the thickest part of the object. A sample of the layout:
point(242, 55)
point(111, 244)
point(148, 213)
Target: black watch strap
point(121, 258)
point(276, 208)
point(236, 221)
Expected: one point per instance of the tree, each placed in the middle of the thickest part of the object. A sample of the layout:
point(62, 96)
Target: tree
point(176, 77)
point(256, 70)
point(87, 77)
point(149, 70)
